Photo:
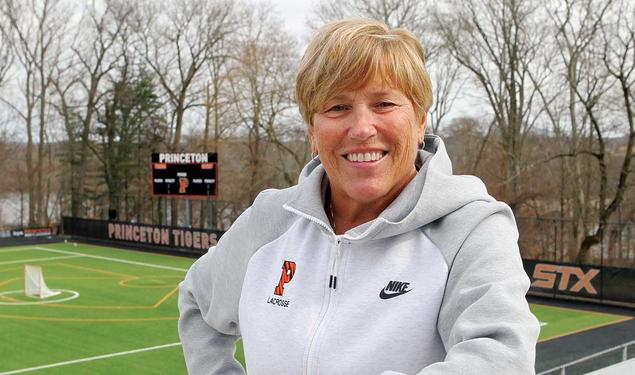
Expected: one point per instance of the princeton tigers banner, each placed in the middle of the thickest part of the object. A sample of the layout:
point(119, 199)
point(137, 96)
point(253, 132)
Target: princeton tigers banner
point(189, 240)
point(603, 284)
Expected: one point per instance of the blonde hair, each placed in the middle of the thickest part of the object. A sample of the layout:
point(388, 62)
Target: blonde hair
point(348, 54)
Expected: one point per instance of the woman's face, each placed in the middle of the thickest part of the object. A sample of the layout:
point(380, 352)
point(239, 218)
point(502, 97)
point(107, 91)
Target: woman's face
point(367, 140)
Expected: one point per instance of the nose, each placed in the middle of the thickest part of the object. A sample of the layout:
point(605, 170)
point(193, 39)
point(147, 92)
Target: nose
point(362, 125)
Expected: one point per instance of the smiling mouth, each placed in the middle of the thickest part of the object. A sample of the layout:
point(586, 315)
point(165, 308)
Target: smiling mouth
point(365, 157)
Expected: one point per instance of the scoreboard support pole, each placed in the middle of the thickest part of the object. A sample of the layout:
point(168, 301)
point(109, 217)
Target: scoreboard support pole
point(211, 218)
point(188, 212)
point(164, 211)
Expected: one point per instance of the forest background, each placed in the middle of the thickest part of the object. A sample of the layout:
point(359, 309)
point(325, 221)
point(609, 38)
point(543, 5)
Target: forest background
point(543, 89)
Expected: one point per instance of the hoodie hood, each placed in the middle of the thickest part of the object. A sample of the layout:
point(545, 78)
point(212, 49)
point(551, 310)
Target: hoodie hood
point(432, 194)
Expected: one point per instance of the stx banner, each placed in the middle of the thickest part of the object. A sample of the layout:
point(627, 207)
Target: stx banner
point(581, 281)
point(148, 236)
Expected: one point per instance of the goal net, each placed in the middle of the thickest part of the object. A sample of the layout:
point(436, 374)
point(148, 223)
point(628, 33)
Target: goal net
point(34, 285)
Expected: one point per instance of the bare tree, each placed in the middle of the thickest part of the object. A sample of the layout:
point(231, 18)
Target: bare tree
point(577, 26)
point(595, 45)
point(102, 40)
point(497, 41)
point(410, 14)
point(38, 30)
point(447, 84)
point(218, 104)
point(618, 57)
point(179, 38)
point(6, 54)
point(6, 60)
point(262, 83)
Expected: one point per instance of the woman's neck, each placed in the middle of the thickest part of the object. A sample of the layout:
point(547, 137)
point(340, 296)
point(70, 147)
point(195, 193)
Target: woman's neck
point(345, 213)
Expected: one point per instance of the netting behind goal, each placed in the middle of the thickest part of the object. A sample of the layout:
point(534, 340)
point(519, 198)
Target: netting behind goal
point(34, 285)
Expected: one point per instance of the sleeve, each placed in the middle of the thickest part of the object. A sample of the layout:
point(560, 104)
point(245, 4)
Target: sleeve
point(484, 321)
point(208, 303)
point(206, 349)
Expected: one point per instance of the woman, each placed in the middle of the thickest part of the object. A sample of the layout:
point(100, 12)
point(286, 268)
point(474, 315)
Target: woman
point(379, 261)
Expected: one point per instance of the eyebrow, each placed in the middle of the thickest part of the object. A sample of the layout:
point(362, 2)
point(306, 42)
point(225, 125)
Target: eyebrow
point(372, 94)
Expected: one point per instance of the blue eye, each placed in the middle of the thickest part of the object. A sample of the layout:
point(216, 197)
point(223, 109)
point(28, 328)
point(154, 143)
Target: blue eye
point(337, 108)
point(385, 104)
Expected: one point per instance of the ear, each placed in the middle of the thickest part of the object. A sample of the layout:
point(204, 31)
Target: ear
point(422, 128)
point(312, 142)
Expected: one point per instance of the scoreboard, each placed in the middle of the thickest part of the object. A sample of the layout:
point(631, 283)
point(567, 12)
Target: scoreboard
point(185, 174)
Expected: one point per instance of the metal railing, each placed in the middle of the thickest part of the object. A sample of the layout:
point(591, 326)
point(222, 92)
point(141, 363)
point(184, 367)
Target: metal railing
point(562, 369)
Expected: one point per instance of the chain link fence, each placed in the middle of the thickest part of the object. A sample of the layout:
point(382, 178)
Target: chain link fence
point(559, 240)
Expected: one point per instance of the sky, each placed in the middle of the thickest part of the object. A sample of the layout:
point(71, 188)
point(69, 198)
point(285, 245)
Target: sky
point(294, 14)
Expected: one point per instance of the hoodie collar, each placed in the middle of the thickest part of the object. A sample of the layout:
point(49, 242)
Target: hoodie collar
point(431, 194)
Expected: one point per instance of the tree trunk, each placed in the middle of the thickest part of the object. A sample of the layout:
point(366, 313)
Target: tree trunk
point(39, 191)
point(174, 203)
point(30, 173)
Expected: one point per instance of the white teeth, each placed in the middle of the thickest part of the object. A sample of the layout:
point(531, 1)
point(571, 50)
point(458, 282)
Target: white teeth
point(365, 156)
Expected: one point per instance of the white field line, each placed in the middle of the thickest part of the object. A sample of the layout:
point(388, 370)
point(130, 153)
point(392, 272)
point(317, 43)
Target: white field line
point(58, 364)
point(113, 259)
point(40, 259)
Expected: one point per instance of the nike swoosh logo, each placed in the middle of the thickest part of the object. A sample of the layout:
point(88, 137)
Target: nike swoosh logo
point(384, 295)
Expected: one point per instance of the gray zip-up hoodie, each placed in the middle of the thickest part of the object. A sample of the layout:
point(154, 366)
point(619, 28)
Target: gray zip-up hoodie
point(434, 285)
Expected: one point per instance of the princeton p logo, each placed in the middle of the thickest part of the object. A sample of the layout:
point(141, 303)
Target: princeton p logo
point(183, 184)
point(288, 270)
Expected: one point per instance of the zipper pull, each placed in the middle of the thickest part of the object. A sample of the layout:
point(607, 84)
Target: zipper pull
point(333, 276)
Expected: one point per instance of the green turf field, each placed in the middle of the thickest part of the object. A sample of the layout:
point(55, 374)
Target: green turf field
point(117, 312)
point(114, 303)
point(558, 321)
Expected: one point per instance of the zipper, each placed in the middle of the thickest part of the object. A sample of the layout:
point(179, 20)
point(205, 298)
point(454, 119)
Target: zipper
point(313, 342)
point(312, 219)
point(333, 275)
point(331, 287)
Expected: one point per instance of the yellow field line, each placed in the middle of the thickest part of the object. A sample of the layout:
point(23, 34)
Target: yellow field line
point(166, 297)
point(12, 269)
point(132, 307)
point(10, 281)
point(126, 279)
point(123, 282)
point(10, 299)
point(587, 328)
point(123, 278)
point(19, 317)
point(82, 278)
point(96, 270)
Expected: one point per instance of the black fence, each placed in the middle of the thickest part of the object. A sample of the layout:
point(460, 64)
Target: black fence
point(189, 241)
point(603, 284)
